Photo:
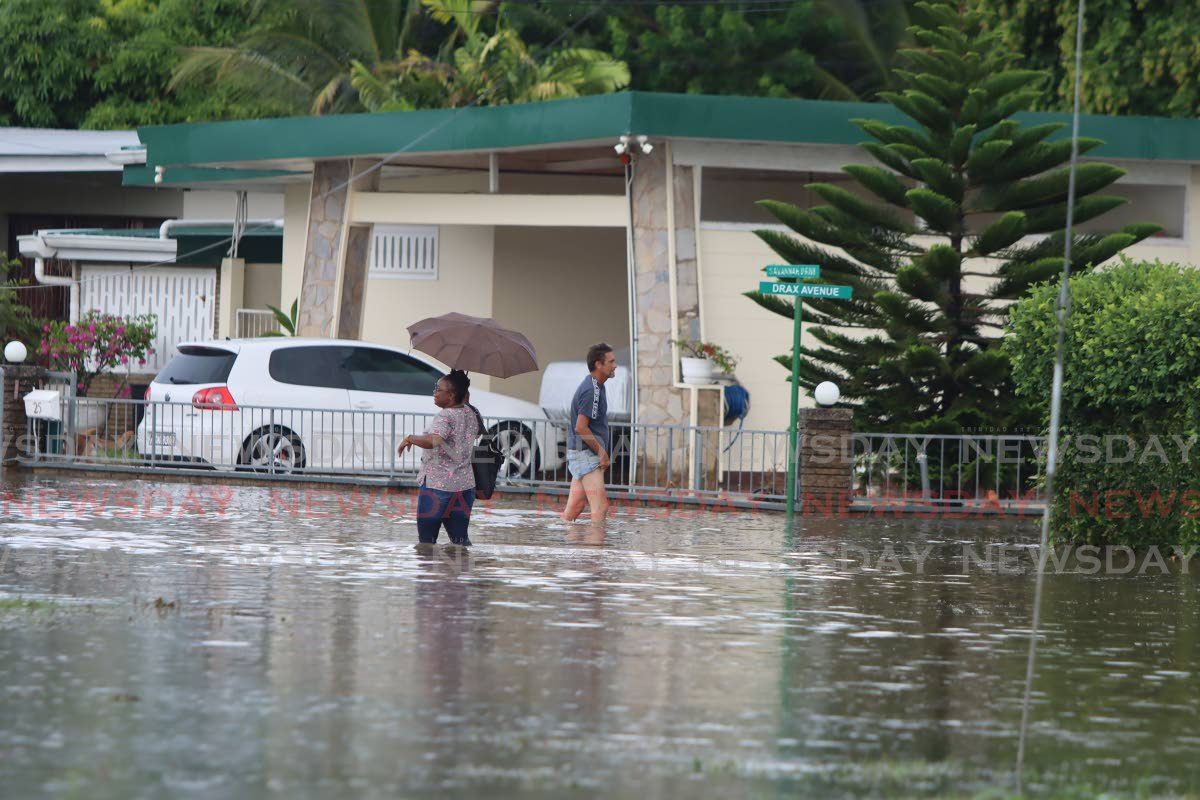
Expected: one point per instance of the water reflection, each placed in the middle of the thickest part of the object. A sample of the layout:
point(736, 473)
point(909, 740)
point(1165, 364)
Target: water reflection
point(305, 644)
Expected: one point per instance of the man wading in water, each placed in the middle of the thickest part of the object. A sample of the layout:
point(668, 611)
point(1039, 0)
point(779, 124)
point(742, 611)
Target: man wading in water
point(588, 439)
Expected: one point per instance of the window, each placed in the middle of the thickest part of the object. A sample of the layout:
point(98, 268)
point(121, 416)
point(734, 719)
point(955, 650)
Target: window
point(404, 251)
point(373, 370)
point(311, 366)
point(198, 365)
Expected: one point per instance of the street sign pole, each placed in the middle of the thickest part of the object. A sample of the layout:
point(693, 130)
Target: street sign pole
point(797, 314)
point(786, 285)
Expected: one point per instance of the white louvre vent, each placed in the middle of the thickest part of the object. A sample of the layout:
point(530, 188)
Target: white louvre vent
point(404, 251)
point(183, 300)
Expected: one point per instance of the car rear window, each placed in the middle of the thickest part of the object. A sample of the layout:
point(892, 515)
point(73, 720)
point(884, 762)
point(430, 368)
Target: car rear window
point(198, 365)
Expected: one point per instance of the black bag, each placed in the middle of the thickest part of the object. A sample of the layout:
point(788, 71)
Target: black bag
point(486, 459)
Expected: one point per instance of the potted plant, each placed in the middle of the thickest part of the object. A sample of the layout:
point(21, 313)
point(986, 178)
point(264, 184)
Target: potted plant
point(701, 359)
point(98, 343)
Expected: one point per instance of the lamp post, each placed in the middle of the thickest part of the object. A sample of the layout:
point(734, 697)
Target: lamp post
point(827, 393)
point(15, 353)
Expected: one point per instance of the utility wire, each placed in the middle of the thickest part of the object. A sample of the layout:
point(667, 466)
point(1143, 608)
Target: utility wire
point(1063, 311)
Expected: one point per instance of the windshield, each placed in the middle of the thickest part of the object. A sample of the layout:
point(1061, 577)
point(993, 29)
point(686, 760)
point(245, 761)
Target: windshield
point(198, 365)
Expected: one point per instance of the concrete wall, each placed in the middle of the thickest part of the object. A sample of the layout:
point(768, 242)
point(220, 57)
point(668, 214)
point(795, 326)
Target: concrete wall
point(731, 263)
point(464, 284)
point(262, 286)
point(295, 225)
point(510, 183)
point(201, 204)
point(565, 289)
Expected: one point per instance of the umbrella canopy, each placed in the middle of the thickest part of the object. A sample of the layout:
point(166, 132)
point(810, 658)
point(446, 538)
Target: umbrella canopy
point(474, 344)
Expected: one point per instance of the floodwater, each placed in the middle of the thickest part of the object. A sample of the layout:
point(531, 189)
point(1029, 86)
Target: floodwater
point(207, 641)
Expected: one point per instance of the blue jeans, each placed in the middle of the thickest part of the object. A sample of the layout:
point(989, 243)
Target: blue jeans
point(436, 508)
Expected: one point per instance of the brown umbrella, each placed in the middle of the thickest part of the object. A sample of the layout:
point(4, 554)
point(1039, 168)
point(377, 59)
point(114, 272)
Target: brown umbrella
point(474, 344)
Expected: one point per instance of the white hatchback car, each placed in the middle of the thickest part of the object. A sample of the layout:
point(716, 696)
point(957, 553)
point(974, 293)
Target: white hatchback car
point(288, 404)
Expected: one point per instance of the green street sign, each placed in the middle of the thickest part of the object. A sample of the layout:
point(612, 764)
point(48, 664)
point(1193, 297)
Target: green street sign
point(793, 271)
point(821, 291)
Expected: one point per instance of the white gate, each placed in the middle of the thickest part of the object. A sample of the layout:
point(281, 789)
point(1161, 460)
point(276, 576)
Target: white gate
point(184, 300)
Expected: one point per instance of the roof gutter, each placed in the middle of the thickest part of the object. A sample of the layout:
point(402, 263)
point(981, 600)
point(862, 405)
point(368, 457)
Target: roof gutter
point(164, 230)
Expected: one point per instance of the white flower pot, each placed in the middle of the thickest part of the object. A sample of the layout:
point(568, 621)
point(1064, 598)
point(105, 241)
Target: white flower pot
point(697, 370)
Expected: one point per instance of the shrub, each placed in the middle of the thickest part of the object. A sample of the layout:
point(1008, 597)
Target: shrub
point(1132, 369)
point(98, 343)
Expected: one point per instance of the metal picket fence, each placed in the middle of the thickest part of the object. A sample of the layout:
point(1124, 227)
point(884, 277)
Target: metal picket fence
point(744, 466)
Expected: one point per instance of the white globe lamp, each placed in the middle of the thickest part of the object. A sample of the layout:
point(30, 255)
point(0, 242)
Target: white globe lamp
point(826, 393)
point(15, 353)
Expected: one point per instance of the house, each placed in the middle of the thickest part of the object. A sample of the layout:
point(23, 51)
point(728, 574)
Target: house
point(527, 213)
point(89, 239)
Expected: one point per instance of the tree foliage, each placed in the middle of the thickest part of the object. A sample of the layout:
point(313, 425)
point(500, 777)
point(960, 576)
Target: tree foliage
point(16, 320)
point(376, 59)
point(107, 63)
point(1139, 57)
point(491, 65)
point(964, 215)
point(832, 49)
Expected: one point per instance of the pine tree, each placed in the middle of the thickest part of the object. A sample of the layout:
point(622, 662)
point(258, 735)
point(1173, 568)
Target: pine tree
point(963, 192)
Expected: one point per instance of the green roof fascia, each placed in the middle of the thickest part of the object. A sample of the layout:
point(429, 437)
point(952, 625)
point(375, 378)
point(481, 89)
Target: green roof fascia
point(143, 175)
point(348, 135)
point(662, 115)
point(203, 245)
point(767, 119)
point(207, 249)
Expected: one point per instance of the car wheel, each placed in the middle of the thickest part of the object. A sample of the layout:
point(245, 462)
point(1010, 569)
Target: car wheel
point(515, 441)
point(274, 449)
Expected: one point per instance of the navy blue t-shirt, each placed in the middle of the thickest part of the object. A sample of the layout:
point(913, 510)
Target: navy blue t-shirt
point(591, 401)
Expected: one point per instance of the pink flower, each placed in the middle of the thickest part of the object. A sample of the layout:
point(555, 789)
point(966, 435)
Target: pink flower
point(124, 359)
point(91, 328)
point(45, 328)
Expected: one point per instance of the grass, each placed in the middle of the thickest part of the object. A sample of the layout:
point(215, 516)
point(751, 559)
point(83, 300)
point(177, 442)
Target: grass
point(15, 605)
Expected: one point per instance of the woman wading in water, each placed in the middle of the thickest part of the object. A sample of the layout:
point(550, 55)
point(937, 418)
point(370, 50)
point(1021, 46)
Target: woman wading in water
point(447, 479)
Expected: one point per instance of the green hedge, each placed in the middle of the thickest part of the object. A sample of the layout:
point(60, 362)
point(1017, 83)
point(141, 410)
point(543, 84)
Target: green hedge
point(1132, 369)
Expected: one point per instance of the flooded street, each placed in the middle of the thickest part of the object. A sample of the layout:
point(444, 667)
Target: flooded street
point(197, 640)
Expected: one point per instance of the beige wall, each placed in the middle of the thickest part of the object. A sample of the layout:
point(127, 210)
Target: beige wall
point(732, 261)
point(295, 225)
point(565, 289)
point(261, 286)
point(464, 284)
point(205, 204)
point(510, 183)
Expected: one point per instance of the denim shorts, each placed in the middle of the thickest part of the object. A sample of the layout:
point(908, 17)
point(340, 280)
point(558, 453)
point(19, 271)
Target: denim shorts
point(581, 462)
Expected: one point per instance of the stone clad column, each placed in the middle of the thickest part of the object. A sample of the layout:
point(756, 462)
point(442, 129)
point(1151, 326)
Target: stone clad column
point(334, 250)
point(659, 402)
